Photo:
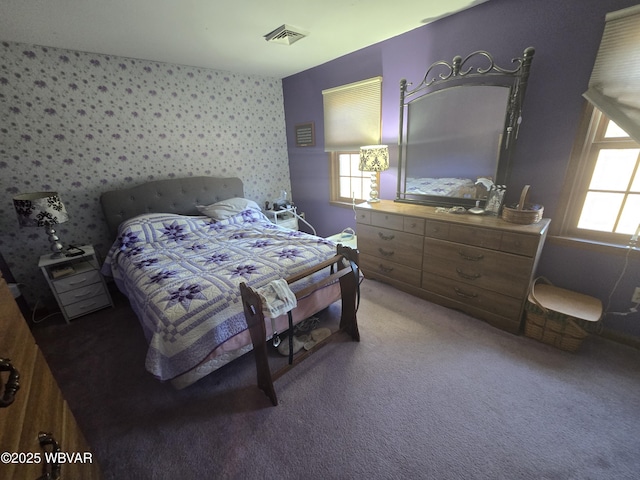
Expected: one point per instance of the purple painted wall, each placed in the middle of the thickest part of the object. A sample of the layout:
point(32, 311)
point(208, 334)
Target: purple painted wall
point(566, 36)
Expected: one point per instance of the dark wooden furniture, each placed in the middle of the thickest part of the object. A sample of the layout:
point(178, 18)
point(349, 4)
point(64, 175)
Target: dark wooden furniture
point(479, 264)
point(343, 269)
point(35, 416)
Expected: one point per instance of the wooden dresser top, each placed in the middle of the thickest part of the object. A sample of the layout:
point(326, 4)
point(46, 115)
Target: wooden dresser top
point(431, 213)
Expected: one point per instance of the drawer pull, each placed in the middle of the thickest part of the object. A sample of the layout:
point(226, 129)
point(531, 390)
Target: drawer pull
point(88, 305)
point(460, 293)
point(12, 385)
point(470, 257)
point(386, 237)
point(468, 276)
point(80, 282)
point(384, 269)
point(385, 253)
point(50, 471)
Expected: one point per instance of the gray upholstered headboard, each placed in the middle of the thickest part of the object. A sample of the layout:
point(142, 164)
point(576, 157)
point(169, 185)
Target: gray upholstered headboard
point(174, 195)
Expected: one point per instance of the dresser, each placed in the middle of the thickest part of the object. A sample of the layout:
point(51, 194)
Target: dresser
point(479, 264)
point(35, 422)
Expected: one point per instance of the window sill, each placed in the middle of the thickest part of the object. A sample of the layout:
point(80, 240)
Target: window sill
point(595, 246)
point(349, 204)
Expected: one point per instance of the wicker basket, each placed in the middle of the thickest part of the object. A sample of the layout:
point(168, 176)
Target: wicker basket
point(554, 315)
point(520, 214)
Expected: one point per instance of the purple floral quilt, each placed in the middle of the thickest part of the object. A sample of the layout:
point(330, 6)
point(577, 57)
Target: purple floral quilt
point(182, 276)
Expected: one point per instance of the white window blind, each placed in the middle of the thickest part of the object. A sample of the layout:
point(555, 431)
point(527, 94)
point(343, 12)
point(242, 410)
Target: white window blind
point(614, 86)
point(352, 115)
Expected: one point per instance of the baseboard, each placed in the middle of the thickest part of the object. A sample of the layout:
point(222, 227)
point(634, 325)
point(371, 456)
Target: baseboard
point(621, 338)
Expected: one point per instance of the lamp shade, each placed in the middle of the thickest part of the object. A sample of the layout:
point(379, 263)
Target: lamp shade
point(374, 158)
point(39, 209)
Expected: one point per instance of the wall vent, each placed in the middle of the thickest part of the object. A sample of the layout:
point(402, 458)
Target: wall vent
point(285, 34)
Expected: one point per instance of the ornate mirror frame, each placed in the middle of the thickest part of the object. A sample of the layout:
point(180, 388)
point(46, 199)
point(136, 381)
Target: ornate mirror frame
point(440, 77)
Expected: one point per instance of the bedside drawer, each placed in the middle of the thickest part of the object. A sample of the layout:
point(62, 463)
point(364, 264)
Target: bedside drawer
point(76, 281)
point(83, 293)
point(86, 306)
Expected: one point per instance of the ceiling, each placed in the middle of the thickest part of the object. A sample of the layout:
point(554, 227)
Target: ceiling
point(223, 35)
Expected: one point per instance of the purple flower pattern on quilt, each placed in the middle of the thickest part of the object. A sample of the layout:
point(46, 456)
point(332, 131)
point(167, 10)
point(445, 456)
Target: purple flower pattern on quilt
point(175, 231)
point(216, 227)
point(146, 263)
point(289, 253)
point(262, 243)
point(162, 275)
point(217, 258)
point(131, 252)
point(197, 246)
point(128, 239)
point(185, 295)
point(244, 271)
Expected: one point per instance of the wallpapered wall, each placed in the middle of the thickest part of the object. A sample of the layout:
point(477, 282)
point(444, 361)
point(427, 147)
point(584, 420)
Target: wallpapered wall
point(81, 123)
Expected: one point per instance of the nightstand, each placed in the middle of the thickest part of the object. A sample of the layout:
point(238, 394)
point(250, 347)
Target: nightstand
point(346, 238)
point(76, 282)
point(285, 218)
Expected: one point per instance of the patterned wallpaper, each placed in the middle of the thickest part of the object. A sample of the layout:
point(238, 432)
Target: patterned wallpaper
point(81, 123)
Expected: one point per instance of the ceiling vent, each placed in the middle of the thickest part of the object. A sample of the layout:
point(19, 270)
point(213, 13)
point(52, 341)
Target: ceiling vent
point(285, 34)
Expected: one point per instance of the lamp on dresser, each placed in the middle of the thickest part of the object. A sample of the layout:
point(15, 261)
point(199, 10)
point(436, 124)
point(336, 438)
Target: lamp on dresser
point(374, 159)
point(42, 209)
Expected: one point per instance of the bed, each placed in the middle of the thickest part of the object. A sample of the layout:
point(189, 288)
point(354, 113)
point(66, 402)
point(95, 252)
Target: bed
point(181, 270)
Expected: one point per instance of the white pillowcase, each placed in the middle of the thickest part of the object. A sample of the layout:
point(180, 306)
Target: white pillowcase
point(227, 208)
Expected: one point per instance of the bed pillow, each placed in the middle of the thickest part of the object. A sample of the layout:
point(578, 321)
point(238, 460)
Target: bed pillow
point(227, 208)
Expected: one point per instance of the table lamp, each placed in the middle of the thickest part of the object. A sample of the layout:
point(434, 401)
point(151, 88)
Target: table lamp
point(42, 209)
point(374, 159)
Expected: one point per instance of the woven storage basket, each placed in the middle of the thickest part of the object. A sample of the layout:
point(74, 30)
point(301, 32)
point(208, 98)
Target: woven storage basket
point(520, 214)
point(554, 315)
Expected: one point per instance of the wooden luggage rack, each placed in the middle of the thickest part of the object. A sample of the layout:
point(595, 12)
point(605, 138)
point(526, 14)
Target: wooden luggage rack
point(343, 268)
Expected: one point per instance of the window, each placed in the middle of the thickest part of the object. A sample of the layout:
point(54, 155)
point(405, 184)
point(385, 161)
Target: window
point(352, 118)
point(347, 182)
point(603, 198)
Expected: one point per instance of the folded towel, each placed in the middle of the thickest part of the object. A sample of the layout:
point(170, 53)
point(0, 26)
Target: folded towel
point(277, 298)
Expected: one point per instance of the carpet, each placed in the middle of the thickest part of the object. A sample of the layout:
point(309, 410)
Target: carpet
point(428, 393)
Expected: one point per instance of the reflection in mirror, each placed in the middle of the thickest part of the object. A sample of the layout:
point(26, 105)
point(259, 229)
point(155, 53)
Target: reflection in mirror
point(458, 130)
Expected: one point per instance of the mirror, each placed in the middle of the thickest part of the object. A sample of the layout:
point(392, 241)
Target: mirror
point(458, 129)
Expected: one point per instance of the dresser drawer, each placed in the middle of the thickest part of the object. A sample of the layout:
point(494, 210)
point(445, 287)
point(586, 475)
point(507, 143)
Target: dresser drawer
point(519, 244)
point(378, 266)
point(363, 216)
point(435, 229)
point(387, 220)
point(510, 282)
point(390, 245)
point(76, 281)
point(413, 225)
point(487, 300)
point(85, 306)
point(83, 293)
point(480, 237)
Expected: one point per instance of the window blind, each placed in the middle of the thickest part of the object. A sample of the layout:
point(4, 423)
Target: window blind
point(614, 86)
point(352, 115)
